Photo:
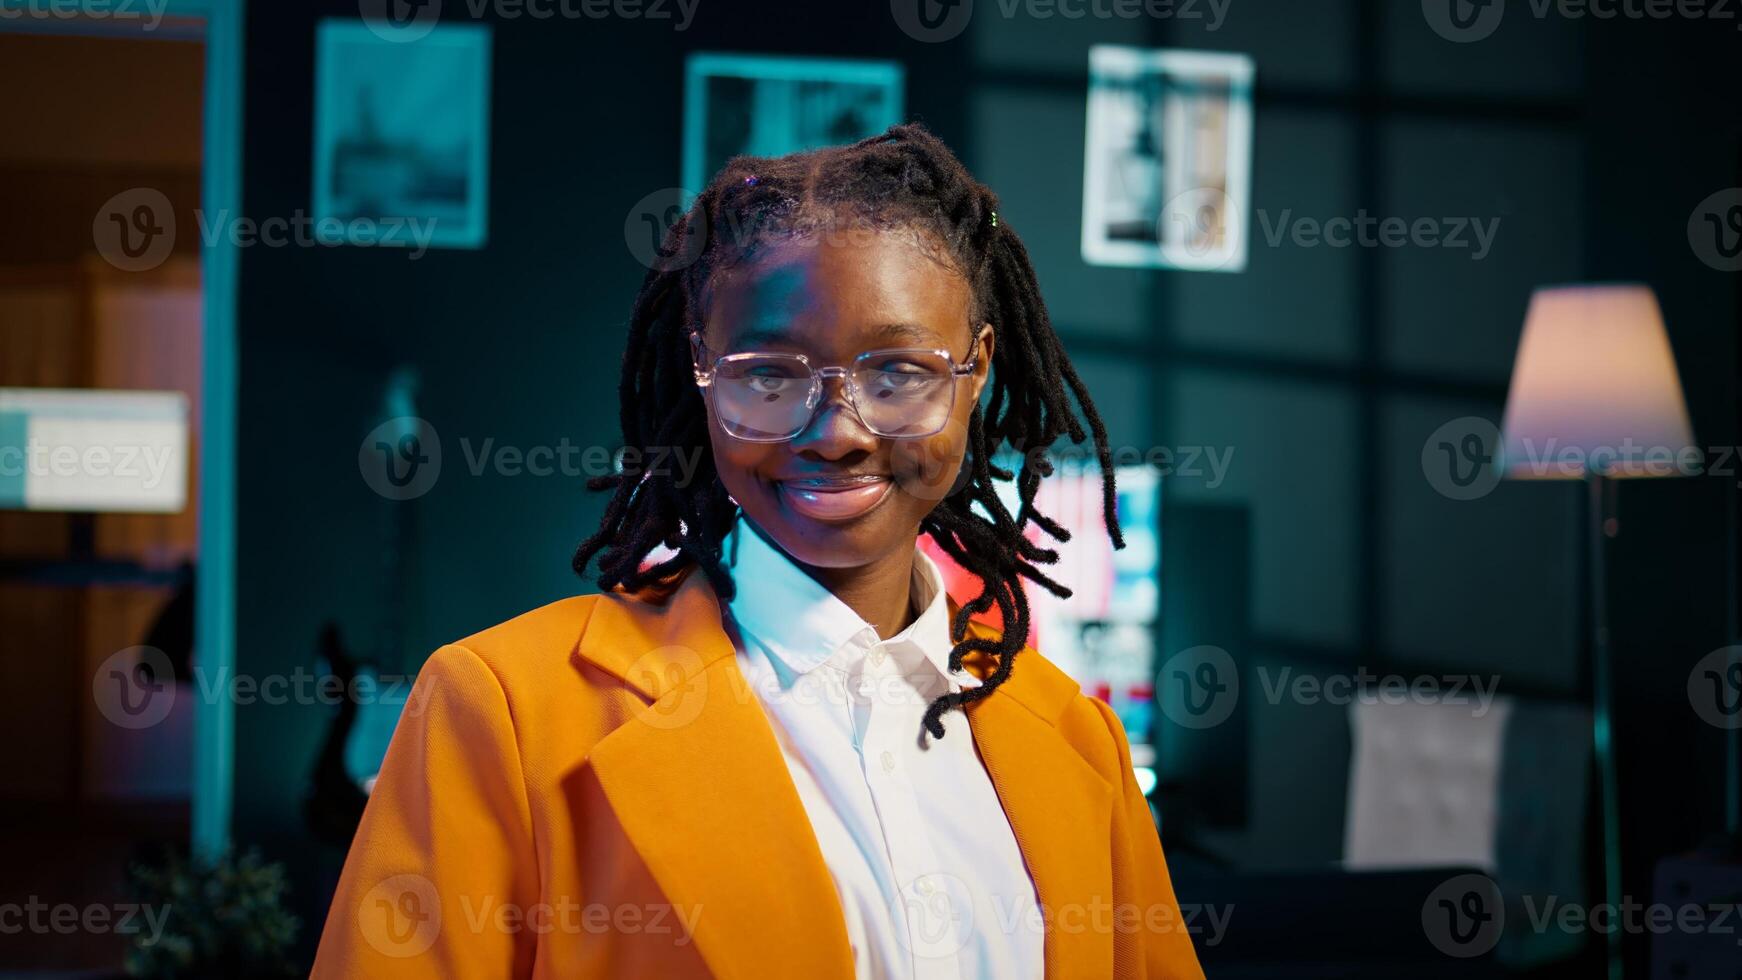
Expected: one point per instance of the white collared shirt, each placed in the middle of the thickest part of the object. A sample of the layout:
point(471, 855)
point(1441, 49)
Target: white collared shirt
point(927, 868)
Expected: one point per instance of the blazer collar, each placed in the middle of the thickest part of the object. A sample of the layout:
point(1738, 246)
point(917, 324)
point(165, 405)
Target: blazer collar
point(699, 785)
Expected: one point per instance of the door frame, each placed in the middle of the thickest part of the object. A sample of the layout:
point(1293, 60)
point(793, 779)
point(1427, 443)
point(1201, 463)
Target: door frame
point(219, 25)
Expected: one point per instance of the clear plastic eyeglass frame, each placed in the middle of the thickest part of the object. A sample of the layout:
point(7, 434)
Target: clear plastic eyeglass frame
point(705, 378)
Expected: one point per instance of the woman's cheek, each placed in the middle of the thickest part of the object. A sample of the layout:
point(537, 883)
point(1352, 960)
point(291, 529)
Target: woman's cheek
point(929, 468)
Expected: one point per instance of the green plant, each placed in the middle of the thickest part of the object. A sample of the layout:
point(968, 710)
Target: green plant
point(220, 918)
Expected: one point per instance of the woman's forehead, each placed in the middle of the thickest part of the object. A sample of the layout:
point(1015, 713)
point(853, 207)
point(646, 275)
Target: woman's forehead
point(884, 291)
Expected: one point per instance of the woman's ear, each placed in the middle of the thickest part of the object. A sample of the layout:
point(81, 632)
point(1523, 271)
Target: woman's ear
point(986, 342)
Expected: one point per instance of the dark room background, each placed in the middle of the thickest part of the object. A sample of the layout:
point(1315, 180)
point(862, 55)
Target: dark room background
point(1323, 369)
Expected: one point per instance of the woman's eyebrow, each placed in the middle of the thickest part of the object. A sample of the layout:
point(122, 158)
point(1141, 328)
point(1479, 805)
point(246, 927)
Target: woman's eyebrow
point(907, 333)
point(893, 333)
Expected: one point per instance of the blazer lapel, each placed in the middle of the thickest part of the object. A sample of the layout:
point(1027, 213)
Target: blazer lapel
point(1059, 807)
point(700, 788)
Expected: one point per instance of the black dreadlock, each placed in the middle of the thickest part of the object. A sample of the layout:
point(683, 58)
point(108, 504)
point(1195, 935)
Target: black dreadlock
point(904, 178)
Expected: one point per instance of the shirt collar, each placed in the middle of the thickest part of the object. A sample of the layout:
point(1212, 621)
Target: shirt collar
point(803, 625)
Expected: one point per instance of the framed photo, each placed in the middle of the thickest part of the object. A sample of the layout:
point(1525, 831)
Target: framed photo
point(402, 136)
point(1167, 159)
point(766, 106)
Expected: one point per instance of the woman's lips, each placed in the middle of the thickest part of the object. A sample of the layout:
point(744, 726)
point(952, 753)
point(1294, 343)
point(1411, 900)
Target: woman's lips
point(834, 499)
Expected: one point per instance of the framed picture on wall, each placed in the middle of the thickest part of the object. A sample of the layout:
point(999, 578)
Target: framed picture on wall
point(765, 105)
point(1167, 159)
point(402, 136)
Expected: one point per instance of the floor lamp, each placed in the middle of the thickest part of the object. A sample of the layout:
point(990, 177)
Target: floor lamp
point(1595, 397)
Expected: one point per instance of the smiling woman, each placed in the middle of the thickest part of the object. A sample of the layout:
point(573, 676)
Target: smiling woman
point(763, 744)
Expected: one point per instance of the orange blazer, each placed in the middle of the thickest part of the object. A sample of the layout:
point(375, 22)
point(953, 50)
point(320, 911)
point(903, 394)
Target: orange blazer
point(592, 790)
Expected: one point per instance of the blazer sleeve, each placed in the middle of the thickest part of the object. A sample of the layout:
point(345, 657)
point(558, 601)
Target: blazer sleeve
point(1166, 944)
point(443, 861)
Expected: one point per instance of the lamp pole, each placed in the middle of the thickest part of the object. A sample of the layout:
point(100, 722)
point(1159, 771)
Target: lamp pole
point(1603, 527)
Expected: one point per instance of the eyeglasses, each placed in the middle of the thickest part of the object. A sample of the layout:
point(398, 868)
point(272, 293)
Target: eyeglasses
point(898, 393)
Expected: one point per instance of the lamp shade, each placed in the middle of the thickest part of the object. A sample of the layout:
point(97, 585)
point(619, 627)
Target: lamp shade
point(1595, 389)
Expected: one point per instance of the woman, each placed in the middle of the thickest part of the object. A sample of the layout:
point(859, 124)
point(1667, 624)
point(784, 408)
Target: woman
point(741, 759)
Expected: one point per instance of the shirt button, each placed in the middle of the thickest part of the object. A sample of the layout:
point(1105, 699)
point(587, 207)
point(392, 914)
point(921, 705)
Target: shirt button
point(924, 887)
point(888, 762)
point(878, 656)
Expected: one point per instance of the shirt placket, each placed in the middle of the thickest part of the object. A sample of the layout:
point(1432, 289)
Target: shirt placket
point(891, 711)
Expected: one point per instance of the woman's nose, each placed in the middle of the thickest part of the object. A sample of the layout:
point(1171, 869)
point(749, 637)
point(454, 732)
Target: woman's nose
point(835, 429)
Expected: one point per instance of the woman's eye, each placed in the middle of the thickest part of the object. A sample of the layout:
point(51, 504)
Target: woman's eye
point(768, 381)
point(900, 374)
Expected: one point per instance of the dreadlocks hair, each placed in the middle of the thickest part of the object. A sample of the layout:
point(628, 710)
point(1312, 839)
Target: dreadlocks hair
point(903, 178)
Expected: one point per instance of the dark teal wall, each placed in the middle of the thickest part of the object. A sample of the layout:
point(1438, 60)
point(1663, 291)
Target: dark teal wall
point(1323, 369)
